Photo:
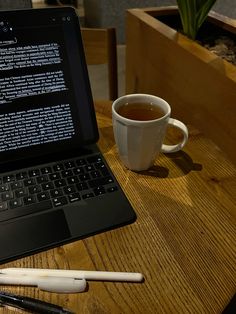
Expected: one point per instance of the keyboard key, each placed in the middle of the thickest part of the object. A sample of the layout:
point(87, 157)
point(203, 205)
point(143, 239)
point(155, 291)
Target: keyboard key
point(3, 206)
point(59, 201)
point(99, 190)
point(88, 195)
point(58, 167)
point(103, 169)
point(15, 185)
point(42, 179)
point(80, 162)
point(47, 186)
point(43, 196)
point(78, 170)
point(5, 187)
point(55, 176)
point(20, 193)
point(100, 165)
point(72, 180)
point(95, 174)
point(29, 200)
point(82, 186)
point(67, 173)
point(84, 177)
point(46, 170)
point(34, 173)
point(74, 197)
point(21, 175)
point(34, 189)
point(59, 183)
point(69, 189)
point(69, 164)
point(8, 178)
point(56, 192)
point(7, 195)
point(15, 203)
point(29, 182)
point(89, 168)
point(112, 189)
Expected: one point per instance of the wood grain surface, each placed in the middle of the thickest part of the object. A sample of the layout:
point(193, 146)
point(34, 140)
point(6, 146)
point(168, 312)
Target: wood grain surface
point(183, 240)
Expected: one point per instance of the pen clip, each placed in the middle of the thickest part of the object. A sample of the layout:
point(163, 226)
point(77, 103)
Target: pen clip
point(61, 285)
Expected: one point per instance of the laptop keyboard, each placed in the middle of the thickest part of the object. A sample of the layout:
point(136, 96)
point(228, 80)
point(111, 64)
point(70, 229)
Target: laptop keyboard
point(53, 185)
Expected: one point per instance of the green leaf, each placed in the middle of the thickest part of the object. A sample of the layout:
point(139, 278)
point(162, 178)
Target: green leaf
point(203, 11)
point(193, 13)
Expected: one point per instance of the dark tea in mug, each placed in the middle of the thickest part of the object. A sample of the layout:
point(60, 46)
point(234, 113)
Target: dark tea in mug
point(140, 111)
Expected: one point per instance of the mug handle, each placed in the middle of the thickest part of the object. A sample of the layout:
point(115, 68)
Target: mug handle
point(174, 148)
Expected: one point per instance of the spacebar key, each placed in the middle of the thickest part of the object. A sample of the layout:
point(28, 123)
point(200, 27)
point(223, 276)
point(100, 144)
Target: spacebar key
point(25, 210)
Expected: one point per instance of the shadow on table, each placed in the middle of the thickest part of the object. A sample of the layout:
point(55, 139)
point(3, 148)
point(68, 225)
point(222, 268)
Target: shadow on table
point(181, 159)
point(184, 162)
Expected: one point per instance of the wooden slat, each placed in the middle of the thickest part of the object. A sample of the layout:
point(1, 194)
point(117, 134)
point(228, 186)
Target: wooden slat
point(100, 48)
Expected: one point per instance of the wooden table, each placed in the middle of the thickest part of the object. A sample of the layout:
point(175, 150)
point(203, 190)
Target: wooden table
point(183, 240)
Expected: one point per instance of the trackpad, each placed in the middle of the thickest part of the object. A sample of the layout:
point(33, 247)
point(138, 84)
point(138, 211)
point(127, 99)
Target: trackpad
point(33, 233)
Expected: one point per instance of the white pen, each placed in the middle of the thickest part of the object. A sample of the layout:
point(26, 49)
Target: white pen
point(76, 274)
point(51, 284)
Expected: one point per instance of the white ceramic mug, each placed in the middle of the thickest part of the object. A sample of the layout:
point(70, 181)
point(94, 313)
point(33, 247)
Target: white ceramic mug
point(139, 142)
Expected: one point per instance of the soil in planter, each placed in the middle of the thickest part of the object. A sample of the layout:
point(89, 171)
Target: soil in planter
point(211, 36)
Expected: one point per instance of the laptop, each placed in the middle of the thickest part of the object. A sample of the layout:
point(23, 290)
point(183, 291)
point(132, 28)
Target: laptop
point(55, 185)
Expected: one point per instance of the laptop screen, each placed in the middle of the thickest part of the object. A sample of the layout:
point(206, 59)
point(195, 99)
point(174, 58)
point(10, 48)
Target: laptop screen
point(45, 97)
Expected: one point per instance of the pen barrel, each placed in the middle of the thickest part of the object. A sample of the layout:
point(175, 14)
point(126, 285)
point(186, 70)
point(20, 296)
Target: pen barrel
point(31, 304)
point(37, 306)
point(77, 274)
point(111, 276)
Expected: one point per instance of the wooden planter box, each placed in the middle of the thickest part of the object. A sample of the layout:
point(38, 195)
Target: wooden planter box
point(200, 87)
